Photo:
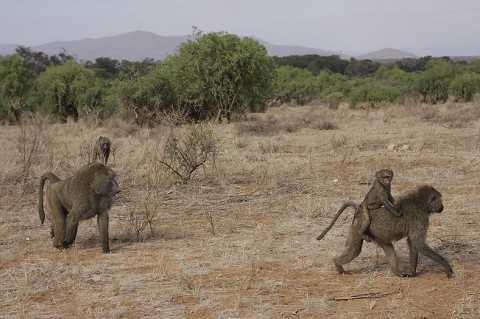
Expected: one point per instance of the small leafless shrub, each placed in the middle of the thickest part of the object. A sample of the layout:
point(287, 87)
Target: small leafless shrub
point(269, 146)
point(322, 125)
point(338, 142)
point(183, 155)
point(454, 120)
point(259, 127)
point(414, 99)
point(139, 220)
point(174, 117)
point(292, 125)
point(209, 217)
point(428, 112)
point(242, 144)
point(31, 143)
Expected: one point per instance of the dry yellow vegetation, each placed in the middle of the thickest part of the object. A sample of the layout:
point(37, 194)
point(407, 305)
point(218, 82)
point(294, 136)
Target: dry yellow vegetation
point(238, 241)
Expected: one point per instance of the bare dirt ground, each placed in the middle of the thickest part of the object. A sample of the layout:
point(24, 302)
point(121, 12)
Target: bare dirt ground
point(239, 240)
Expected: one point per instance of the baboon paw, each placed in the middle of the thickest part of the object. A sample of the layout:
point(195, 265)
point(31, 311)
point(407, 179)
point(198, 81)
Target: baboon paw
point(366, 238)
point(343, 272)
point(66, 245)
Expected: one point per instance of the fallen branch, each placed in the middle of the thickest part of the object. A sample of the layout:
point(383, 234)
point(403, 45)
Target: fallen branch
point(421, 308)
point(365, 296)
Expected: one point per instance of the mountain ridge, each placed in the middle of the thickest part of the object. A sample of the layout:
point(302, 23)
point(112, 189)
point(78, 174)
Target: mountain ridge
point(138, 45)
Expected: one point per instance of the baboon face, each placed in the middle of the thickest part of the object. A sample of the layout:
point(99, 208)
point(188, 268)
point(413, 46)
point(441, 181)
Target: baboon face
point(435, 201)
point(104, 144)
point(384, 176)
point(104, 182)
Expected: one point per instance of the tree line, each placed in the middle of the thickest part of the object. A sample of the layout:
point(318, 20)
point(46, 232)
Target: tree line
point(214, 76)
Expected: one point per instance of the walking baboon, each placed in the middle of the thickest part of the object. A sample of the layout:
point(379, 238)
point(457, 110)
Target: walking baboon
point(102, 149)
point(87, 193)
point(379, 195)
point(416, 207)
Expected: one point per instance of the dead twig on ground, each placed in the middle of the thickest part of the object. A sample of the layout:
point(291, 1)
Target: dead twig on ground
point(365, 296)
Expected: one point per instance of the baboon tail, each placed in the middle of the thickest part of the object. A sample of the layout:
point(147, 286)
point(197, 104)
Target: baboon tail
point(53, 179)
point(340, 211)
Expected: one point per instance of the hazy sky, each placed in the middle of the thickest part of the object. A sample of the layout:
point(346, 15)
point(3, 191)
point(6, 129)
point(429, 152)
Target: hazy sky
point(350, 26)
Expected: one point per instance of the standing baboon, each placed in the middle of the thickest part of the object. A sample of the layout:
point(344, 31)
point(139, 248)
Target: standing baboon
point(87, 193)
point(102, 149)
point(385, 228)
point(380, 195)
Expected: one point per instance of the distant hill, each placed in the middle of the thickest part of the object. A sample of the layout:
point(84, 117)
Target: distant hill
point(131, 46)
point(286, 50)
point(386, 54)
point(138, 45)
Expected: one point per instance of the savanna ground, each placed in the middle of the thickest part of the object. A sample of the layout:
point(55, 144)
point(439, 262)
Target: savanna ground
point(238, 241)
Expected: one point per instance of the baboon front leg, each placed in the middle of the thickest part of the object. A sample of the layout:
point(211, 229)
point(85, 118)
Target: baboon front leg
point(413, 258)
point(432, 254)
point(392, 257)
point(102, 222)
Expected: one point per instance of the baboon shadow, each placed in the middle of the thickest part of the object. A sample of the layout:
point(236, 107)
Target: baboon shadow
point(457, 250)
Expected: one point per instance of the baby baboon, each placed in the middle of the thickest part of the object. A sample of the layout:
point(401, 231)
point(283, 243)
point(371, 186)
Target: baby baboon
point(87, 193)
point(378, 196)
point(385, 228)
point(102, 149)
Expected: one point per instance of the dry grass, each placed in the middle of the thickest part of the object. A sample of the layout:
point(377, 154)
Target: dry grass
point(238, 241)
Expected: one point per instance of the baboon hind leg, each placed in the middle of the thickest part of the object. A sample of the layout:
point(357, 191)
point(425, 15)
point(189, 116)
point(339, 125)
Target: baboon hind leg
point(352, 250)
point(392, 257)
point(72, 228)
point(364, 219)
point(57, 229)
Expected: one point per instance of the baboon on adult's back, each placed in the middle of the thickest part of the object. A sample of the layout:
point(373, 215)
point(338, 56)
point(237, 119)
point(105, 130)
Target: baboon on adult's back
point(87, 193)
point(379, 195)
point(416, 208)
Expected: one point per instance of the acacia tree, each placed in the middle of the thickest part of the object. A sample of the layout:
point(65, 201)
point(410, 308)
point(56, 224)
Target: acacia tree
point(16, 82)
point(64, 88)
point(434, 83)
point(219, 74)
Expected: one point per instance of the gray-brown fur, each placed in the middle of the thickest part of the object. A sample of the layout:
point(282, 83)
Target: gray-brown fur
point(102, 149)
point(84, 195)
point(379, 195)
point(385, 228)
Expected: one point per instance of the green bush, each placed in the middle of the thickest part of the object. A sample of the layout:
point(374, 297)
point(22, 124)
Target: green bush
point(464, 86)
point(434, 83)
point(294, 84)
point(373, 94)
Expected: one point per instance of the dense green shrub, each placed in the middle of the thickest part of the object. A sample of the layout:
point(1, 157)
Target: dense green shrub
point(294, 84)
point(220, 74)
point(464, 86)
point(373, 94)
point(63, 89)
point(16, 88)
point(434, 83)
